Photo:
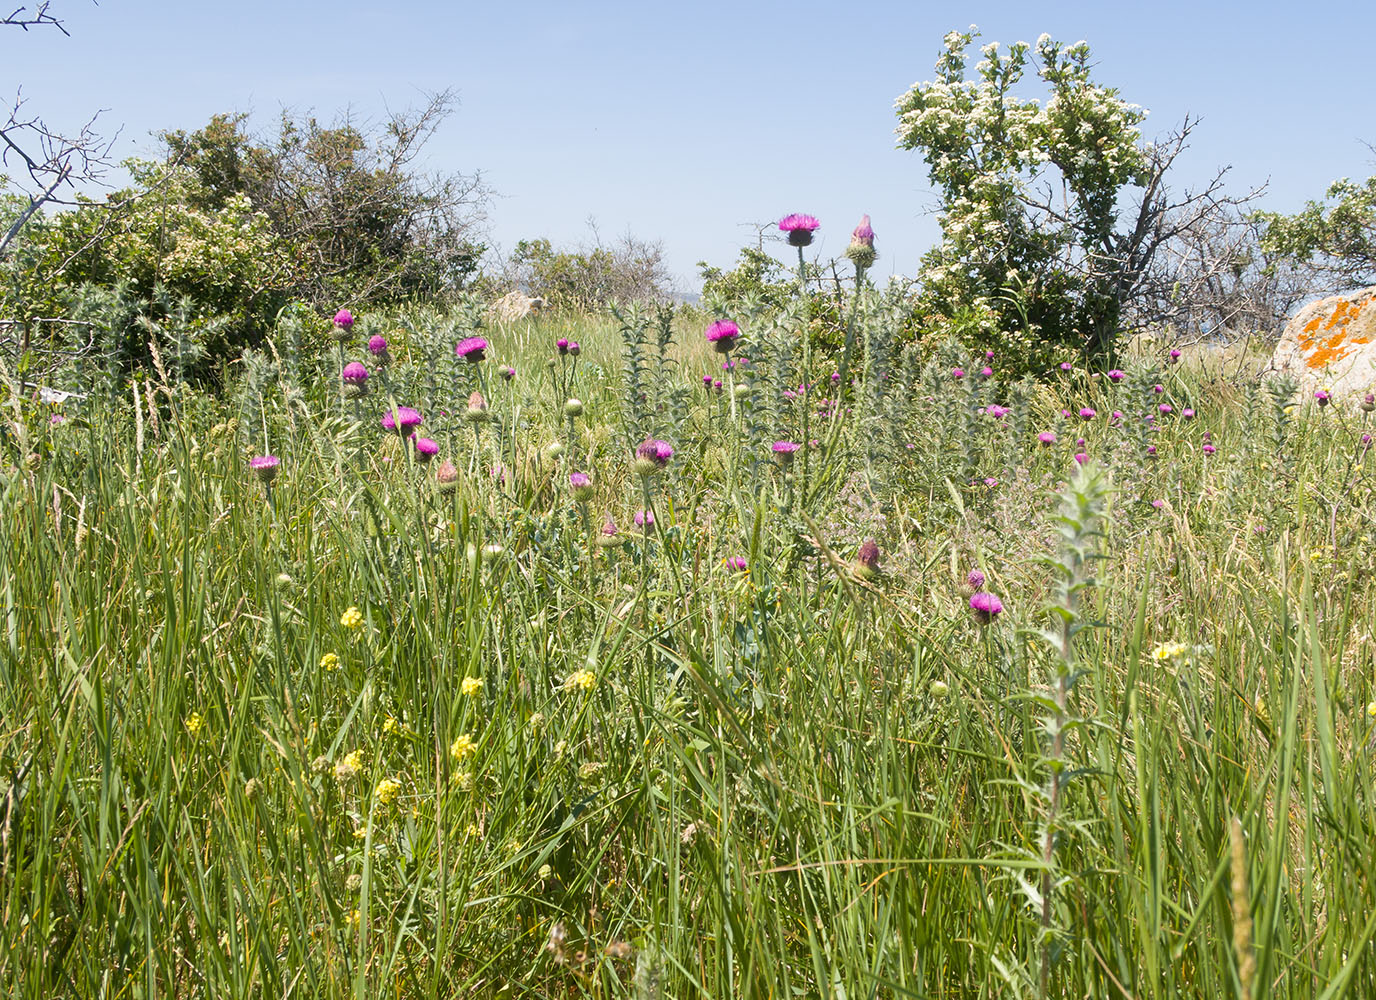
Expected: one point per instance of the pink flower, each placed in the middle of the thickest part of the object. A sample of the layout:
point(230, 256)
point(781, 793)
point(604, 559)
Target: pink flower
point(1209, 449)
point(377, 343)
point(1066, 366)
point(404, 420)
point(975, 579)
point(737, 563)
point(344, 319)
point(722, 335)
point(574, 348)
point(1087, 414)
point(506, 372)
point(996, 411)
point(1047, 438)
point(1158, 504)
point(863, 234)
point(652, 455)
point(1081, 458)
point(799, 229)
point(354, 373)
point(426, 449)
point(1158, 388)
point(1175, 355)
point(580, 485)
point(1116, 375)
point(471, 349)
point(985, 607)
point(446, 477)
point(986, 371)
point(866, 565)
point(265, 467)
point(645, 519)
point(563, 345)
point(1187, 413)
point(785, 447)
point(957, 373)
point(1165, 407)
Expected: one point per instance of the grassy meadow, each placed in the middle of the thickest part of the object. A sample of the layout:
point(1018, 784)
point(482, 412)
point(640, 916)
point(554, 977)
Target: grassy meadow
point(386, 727)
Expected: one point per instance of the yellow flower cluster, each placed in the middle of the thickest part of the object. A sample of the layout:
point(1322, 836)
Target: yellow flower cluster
point(463, 747)
point(328, 662)
point(585, 680)
point(352, 619)
point(471, 686)
point(349, 765)
point(1170, 651)
point(387, 791)
point(194, 724)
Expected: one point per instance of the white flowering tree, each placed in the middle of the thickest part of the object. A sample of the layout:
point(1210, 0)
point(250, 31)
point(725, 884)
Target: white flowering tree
point(1052, 209)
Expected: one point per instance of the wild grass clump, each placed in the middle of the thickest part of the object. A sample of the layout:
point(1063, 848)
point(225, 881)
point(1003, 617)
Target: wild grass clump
point(727, 681)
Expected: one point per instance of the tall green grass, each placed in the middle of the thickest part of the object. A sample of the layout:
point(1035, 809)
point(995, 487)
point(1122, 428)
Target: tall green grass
point(780, 782)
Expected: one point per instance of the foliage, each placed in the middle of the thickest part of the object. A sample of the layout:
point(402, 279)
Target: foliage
point(369, 729)
point(589, 279)
point(1335, 237)
point(1041, 248)
point(758, 276)
point(234, 229)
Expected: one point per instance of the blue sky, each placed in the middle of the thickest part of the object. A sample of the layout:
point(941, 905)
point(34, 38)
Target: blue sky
point(687, 123)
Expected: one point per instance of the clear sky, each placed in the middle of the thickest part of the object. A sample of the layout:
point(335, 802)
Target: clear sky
point(688, 122)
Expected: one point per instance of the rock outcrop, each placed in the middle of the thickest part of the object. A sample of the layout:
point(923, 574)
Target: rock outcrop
point(1331, 344)
point(514, 306)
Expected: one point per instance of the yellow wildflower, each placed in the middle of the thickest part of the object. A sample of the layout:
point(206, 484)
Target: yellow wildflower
point(1371, 709)
point(387, 791)
point(328, 662)
point(349, 766)
point(1169, 651)
point(584, 679)
point(471, 686)
point(463, 747)
point(352, 619)
point(194, 724)
point(473, 830)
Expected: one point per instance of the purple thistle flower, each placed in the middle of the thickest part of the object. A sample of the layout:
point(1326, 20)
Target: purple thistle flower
point(645, 520)
point(1151, 450)
point(1116, 417)
point(574, 349)
point(957, 373)
point(799, 228)
point(1175, 355)
point(722, 335)
point(737, 563)
point(988, 355)
point(1116, 375)
point(866, 565)
point(265, 468)
point(1209, 449)
point(354, 373)
point(975, 579)
point(377, 344)
point(404, 420)
point(344, 319)
point(471, 349)
point(1368, 402)
point(446, 477)
point(1087, 414)
point(1366, 440)
point(863, 234)
point(707, 381)
point(1065, 413)
point(563, 344)
point(507, 372)
point(1047, 438)
point(651, 456)
point(426, 449)
point(580, 485)
point(1187, 413)
point(1165, 408)
point(1158, 388)
point(996, 411)
point(785, 447)
point(1081, 458)
point(985, 607)
point(1066, 366)
point(986, 371)
point(1158, 503)
point(716, 384)
point(1322, 396)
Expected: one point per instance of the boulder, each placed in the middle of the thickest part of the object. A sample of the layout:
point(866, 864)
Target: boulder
point(514, 306)
point(1331, 344)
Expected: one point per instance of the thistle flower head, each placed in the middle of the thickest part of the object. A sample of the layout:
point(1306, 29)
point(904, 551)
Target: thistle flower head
point(957, 373)
point(1086, 413)
point(1047, 438)
point(1116, 375)
point(645, 520)
point(1066, 366)
point(563, 344)
point(861, 250)
point(426, 449)
point(377, 344)
point(975, 579)
point(265, 467)
point(737, 563)
point(507, 373)
point(471, 349)
point(476, 412)
point(580, 485)
point(785, 449)
point(651, 456)
point(344, 319)
point(866, 565)
point(985, 607)
point(446, 477)
point(354, 373)
point(799, 228)
point(722, 335)
point(404, 420)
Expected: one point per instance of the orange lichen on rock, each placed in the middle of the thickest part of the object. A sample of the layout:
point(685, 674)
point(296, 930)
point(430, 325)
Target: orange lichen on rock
point(1337, 346)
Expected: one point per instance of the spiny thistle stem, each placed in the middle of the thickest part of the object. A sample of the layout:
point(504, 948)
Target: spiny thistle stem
point(1082, 510)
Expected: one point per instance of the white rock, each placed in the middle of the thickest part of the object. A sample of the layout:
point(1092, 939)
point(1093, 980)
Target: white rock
point(1331, 344)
